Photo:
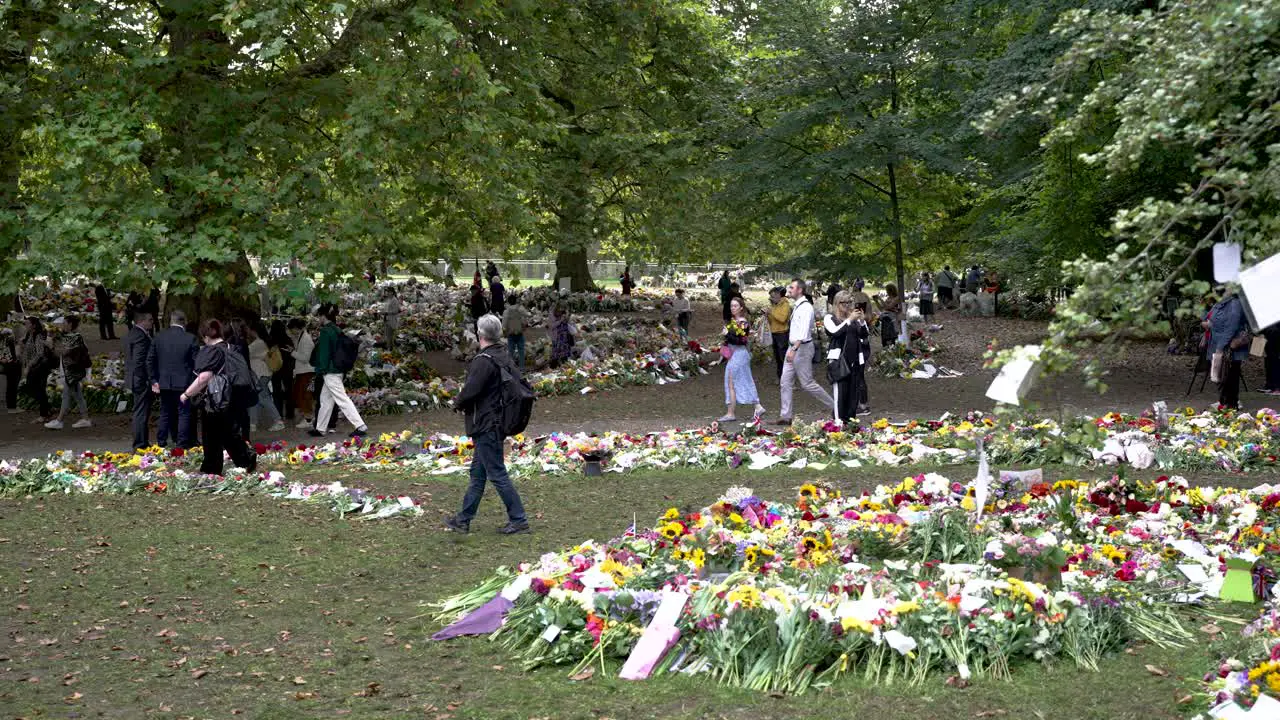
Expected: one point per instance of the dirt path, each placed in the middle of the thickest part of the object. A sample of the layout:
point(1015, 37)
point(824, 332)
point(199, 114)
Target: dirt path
point(1147, 374)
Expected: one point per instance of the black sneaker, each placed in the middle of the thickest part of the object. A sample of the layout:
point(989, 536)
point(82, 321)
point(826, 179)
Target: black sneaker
point(253, 463)
point(315, 433)
point(513, 528)
point(359, 432)
point(453, 524)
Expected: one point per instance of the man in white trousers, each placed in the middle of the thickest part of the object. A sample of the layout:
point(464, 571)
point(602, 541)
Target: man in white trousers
point(332, 391)
point(799, 360)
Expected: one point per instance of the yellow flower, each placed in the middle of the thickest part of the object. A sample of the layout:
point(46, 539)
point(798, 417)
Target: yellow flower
point(808, 490)
point(671, 514)
point(671, 531)
point(852, 623)
point(906, 606)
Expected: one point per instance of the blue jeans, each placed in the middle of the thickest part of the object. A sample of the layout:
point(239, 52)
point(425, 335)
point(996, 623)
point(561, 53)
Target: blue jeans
point(487, 466)
point(175, 420)
point(515, 346)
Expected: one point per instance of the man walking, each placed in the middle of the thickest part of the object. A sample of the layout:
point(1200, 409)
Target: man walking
point(799, 358)
point(480, 401)
point(171, 364)
point(726, 294)
point(138, 375)
point(946, 282)
point(329, 378)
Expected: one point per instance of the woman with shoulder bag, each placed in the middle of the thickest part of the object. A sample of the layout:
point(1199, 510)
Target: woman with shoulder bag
point(220, 425)
point(75, 368)
point(847, 358)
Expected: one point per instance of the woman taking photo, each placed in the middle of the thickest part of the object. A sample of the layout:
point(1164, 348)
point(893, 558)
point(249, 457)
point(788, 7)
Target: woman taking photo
point(847, 358)
point(739, 386)
point(265, 415)
point(925, 288)
point(220, 430)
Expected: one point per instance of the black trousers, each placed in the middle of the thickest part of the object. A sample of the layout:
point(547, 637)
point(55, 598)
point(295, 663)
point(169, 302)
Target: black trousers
point(1272, 365)
point(724, 309)
point(1229, 390)
point(220, 433)
point(12, 377)
point(780, 350)
point(142, 402)
point(38, 389)
point(106, 326)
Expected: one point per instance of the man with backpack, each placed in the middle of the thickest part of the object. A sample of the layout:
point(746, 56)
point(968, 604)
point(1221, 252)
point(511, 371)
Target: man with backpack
point(334, 355)
point(497, 403)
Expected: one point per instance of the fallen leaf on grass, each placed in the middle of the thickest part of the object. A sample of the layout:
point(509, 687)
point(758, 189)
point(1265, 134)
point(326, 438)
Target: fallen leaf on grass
point(1157, 670)
point(372, 689)
point(72, 697)
point(1185, 699)
point(1210, 629)
point(166, 633)
point(584, 675)
point(48, 641)
point(991, 713)
point(957, 682)
point(453, 705)
point(299, 680)
point(198, 673)
point(303, 695)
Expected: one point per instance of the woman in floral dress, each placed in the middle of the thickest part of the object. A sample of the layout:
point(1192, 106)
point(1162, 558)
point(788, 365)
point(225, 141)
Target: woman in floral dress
point(739, 386)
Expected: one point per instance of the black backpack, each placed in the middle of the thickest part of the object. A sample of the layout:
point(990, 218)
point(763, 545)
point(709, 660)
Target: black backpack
point(234, 380)
point(515, 399)
point(345, 352)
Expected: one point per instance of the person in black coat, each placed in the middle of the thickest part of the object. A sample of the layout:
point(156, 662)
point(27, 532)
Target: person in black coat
point(137, 375)
point(847, 328)
point(479, 400)
point(171, 363)
point(220, 428)
point(106, 312)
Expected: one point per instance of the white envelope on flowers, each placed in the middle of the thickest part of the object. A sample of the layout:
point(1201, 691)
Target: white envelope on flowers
point(1016, 377)
point(760, 461)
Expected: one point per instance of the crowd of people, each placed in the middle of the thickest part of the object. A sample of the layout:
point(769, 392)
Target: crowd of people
point(788, 328)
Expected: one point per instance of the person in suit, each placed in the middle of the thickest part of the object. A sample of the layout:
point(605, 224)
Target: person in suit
point(138, 376)
point(170, 364)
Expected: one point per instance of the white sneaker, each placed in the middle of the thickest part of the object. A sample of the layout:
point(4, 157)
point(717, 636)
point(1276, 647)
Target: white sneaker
point(277, 427)
point(253, 428)
point(82, 424)
point(303, 424)
point(54, 424)
point(15, 411)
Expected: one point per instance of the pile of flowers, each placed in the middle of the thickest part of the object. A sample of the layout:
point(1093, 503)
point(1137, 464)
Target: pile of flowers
point(156, 470)
point(52, 303)
point(1251, 676)
point(546, 297)
point(906, 581)
point(904, 361)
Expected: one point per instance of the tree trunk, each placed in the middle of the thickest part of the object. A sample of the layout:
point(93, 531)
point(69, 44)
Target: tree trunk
point(235, 295)
point(897, 247)
point(572, 263)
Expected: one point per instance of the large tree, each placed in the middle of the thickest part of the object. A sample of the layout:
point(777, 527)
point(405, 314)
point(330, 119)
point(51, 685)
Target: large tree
point(174, 139)
point(1191, 87)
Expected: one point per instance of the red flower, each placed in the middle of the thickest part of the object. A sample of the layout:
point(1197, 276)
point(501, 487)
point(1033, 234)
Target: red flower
point(259, 448)
point(178, 452)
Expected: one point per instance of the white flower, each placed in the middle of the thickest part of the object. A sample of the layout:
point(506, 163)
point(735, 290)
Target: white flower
point(904, 644)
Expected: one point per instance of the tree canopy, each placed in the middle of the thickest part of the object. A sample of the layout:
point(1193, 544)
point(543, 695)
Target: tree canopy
point(1097, 144)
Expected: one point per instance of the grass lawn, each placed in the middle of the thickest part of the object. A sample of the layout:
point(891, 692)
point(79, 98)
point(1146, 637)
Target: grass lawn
point(215, 606)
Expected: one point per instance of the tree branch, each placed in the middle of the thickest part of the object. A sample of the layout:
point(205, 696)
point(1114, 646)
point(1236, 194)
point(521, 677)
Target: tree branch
point(340, 54)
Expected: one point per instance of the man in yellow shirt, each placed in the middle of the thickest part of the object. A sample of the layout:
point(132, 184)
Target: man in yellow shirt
point(779, 326)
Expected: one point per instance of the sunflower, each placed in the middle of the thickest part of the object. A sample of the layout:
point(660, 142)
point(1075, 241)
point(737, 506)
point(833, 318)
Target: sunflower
point(671, 514)
point(671, 530)
point(808, 490)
